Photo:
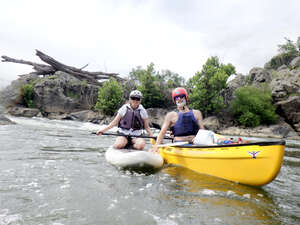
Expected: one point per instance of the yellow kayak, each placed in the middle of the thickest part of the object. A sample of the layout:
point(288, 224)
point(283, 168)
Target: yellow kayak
point(254, 164)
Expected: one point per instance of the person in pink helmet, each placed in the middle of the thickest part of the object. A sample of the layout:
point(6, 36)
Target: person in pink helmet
point(184, 124)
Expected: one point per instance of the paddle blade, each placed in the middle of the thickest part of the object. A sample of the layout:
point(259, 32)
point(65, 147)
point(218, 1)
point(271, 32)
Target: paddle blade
point(152, 141)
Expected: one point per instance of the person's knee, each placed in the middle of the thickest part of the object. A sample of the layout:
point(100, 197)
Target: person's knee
point(120, 143)
point(139, 144)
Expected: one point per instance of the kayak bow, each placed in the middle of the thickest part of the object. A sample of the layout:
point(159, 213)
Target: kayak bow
point(254, 164)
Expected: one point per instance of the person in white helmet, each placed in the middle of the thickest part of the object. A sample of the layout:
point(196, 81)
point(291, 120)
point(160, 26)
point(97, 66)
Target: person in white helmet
point(131, 119)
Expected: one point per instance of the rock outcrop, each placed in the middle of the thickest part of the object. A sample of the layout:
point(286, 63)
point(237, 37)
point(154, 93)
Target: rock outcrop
point(284, 84)
point(63, 93)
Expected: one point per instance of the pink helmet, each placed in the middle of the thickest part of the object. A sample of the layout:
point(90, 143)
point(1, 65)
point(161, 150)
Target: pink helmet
point(179, 91)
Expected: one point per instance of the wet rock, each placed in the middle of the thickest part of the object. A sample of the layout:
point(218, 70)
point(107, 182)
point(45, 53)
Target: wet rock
point(23, 112)
point(5, 121)
point(157, 116)
point(212, 123)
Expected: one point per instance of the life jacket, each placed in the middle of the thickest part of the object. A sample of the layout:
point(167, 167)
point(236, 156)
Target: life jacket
point(132, 120)
point(185, 125)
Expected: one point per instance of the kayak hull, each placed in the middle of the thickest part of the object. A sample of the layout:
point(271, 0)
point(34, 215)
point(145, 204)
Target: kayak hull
point(134, 159)
point(253, 164)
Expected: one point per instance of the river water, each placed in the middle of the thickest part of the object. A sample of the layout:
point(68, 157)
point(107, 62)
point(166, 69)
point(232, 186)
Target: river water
point(54, 173)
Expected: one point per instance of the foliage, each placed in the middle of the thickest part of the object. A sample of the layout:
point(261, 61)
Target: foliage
point(110, 97)
point(28, 94)
point(206, 85)
point(287, 52)
point(290, 47)
point(155, 87)
point(253, 106)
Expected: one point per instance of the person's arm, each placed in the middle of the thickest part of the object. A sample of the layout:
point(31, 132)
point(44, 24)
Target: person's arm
point(113, 123)
point(199, 118)
point(147, 127)
point(161, 135)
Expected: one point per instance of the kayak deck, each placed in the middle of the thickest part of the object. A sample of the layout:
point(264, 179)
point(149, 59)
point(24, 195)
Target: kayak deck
point(135, 160)
point(253, 163)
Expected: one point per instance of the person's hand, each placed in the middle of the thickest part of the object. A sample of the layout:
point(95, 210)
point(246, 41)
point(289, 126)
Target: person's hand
point(99, 133)
point(154, 149)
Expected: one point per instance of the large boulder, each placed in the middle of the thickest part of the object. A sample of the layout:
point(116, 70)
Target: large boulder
point(295, 62)
point(290, 109)
point(259, 75)
point(157, 116)
point(212, 123)
point(63, 93)
point(239, 80)
point(12, 94)
point(285, 83)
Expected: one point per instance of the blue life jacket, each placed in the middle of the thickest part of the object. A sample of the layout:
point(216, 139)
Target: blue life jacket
point(132, 120)
point(185, 125)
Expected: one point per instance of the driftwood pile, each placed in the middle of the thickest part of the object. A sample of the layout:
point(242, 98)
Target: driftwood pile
point(54, 66)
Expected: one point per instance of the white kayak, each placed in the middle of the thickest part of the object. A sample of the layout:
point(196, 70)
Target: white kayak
point(134, 159)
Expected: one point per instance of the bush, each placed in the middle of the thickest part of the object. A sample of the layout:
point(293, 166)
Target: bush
point(110, 97)
point(253, 106)
point(28, 95)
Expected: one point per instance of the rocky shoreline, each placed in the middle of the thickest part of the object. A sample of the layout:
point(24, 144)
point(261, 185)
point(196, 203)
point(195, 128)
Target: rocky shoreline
point(282, 130)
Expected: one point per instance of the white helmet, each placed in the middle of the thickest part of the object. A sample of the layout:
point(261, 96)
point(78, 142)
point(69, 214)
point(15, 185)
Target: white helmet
point(136, 93)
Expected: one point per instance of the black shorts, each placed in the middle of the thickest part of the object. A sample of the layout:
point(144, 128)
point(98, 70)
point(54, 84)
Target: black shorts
point(129, 142)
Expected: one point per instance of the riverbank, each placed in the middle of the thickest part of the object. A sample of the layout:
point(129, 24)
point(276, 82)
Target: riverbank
point(281, 130)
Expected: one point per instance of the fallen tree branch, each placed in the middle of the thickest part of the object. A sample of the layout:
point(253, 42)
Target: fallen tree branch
point(54, 66)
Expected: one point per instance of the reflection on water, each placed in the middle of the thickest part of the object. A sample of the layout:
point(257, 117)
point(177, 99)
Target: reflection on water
point(240, 204)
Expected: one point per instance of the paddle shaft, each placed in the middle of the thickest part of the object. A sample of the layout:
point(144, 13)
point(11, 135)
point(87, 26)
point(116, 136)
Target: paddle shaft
point(129, 135)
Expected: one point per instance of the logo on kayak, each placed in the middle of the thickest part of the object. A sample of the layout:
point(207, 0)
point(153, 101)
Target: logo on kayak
point(253, 154)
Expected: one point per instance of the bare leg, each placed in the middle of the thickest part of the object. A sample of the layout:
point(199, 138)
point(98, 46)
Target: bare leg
point(120, 142)
point(138, 143)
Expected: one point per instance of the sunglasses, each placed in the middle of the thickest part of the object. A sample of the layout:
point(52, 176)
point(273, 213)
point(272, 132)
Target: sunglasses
point(135, 98)
point(179, 96)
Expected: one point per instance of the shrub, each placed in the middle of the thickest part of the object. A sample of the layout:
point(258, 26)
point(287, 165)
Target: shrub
point(110, 97)
point(253, 106)
point(28, 95)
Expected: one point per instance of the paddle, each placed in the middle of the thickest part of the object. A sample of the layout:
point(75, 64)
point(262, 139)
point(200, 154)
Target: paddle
point(129, 135)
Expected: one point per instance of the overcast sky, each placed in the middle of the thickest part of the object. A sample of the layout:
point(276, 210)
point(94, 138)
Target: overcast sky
point(119, 35)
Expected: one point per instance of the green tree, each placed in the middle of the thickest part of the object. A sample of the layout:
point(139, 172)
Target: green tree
point(110, 97)
point(170, 80)
point(148, 84)
point(253, 106)
point(206, 85)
